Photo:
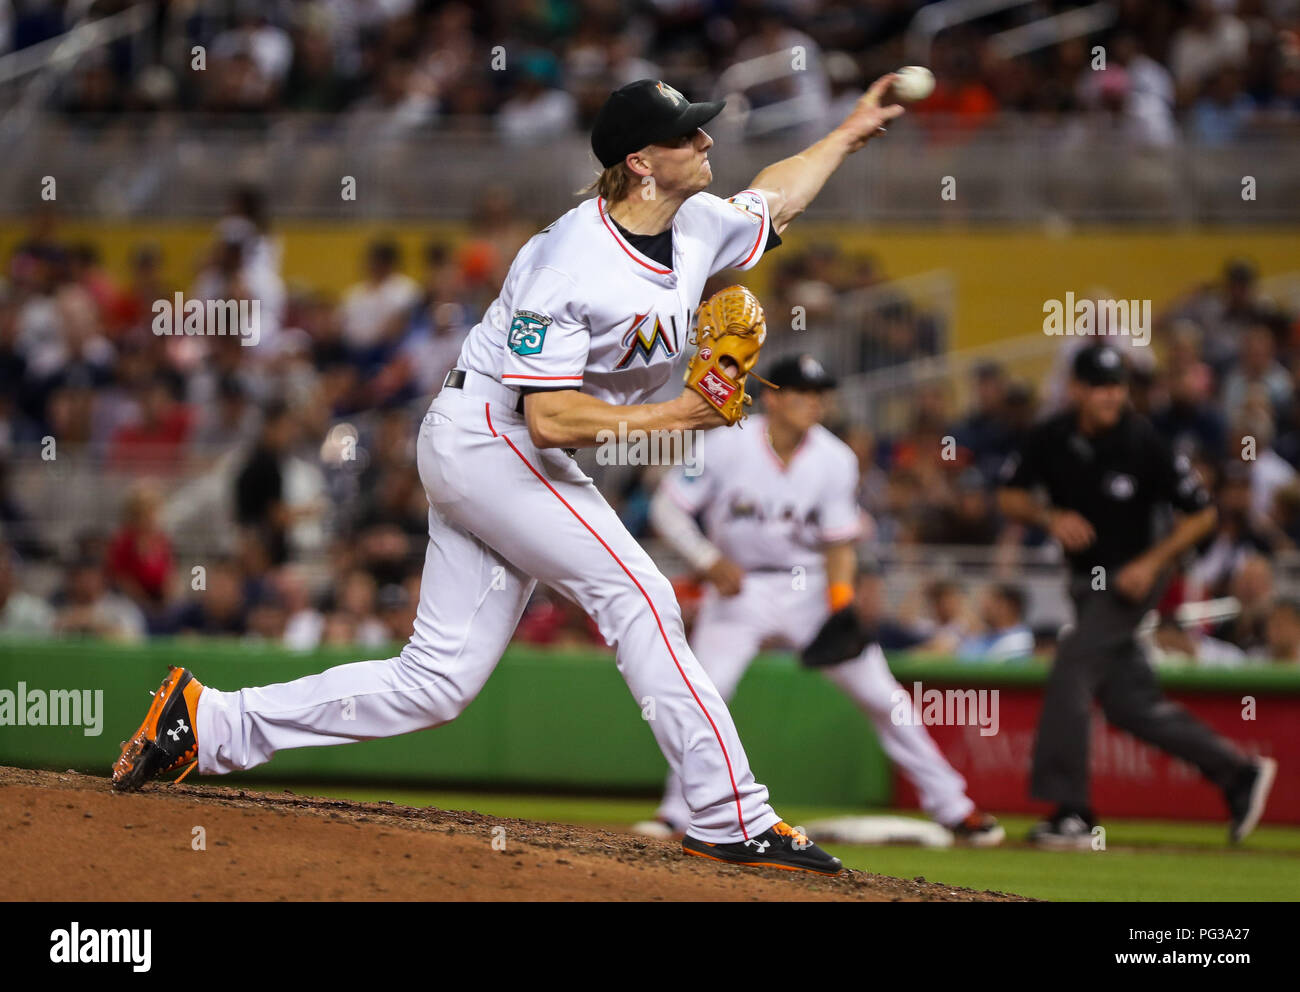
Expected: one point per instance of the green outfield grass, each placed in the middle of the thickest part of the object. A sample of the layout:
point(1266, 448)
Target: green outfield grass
point(1145, 860)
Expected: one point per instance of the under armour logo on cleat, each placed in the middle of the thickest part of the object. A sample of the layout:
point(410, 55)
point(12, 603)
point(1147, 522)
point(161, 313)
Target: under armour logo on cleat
point(180, 728)
point(761, 845)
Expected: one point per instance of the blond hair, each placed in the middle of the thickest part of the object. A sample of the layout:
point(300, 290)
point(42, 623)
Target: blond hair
point(613, 184)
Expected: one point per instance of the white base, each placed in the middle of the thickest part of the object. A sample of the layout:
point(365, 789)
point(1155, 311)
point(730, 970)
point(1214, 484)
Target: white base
point(879, 830)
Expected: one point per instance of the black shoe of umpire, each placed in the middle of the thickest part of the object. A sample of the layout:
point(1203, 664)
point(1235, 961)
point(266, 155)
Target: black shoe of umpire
point(1247, 797)
point(780, 846)
point(1065, 830)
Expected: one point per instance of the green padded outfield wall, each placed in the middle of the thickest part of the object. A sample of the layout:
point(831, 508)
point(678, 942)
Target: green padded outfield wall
point(546, 719)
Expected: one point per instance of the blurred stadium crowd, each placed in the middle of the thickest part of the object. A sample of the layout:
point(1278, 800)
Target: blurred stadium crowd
point(308, 439)
point(271, 491)
point(532, 68)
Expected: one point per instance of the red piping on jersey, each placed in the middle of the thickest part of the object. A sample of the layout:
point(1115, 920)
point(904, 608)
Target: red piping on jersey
point(517, 375)
point(762, 227)
point(649, 602)
point(627, 250)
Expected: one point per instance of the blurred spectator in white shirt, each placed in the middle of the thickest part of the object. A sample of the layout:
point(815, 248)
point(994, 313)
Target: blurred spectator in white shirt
point(1152, 96)
point(1171, 644)
point(21, 613)
point(375, 311)
point(403, 102)
point(1257, 367)
point(229, 275)
point(1209, 40)
point(1006, 636)
point(1282, 634)
point(1252, 441)
point(1143, 88)
point(267, 45)
point(304, 624)
point(91, 610)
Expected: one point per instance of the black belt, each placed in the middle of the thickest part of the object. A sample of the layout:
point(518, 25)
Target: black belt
point(456, 380)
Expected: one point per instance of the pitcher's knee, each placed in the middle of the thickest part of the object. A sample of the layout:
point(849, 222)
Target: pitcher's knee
point(650, 596)
point(454, 687)
point(661, 592)
point(418, 653)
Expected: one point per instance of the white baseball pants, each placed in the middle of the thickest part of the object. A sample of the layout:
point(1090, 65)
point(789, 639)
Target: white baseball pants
point(504, 514)
point(727, 636)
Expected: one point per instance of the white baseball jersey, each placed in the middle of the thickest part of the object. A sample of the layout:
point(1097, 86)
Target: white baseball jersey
point(765, 515)
point(583, 309)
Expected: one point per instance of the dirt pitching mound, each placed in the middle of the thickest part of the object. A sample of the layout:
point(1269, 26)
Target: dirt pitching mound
point(65, 836)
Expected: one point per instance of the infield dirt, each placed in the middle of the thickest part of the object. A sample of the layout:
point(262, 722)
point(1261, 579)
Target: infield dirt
point(65, 836)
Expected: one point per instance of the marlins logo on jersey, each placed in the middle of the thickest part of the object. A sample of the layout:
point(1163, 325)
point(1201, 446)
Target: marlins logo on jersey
point(637, 342)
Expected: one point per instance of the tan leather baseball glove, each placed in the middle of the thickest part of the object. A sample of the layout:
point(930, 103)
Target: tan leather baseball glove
point(730, 331)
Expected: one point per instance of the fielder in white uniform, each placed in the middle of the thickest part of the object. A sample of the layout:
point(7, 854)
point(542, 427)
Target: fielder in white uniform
point(592, 320)
point(781, 518)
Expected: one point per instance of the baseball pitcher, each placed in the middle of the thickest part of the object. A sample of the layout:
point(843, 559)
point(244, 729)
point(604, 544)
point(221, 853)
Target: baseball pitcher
point(593, 318)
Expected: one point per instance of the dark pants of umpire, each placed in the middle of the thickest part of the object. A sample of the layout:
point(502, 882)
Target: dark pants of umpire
point(1101, 659)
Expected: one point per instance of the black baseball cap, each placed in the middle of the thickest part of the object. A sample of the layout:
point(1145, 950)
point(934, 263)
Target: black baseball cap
point(1099, 365)
point(644, 113)
point(801, 372)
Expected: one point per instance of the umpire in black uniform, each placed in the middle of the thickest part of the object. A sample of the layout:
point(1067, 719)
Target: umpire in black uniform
point(1110, 482)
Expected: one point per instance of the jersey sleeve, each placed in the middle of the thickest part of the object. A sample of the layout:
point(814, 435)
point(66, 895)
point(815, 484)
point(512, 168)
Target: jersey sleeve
point(743, 224)
point(548, 340)
point(841, 517)
point(1176, 479)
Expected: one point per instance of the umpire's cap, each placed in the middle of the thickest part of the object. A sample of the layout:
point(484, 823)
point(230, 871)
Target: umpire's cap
point(644, 113)
point(1099, 365)
point(801, 372)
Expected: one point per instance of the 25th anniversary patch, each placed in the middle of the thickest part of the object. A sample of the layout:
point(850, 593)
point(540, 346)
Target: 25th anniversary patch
point(528, 332)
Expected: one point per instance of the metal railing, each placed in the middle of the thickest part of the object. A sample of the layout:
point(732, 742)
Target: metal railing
point(61, 52)
point(811, 93)
point(933, 18)
point(1011, 169)
point(885, 398)
point(1048, 31)
point(858, 334)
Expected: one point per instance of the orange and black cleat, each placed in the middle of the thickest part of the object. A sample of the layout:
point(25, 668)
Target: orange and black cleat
point(166, 740)
point(780, 846)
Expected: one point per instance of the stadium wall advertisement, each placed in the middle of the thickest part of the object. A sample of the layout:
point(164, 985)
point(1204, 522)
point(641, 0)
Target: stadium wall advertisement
point(1129, 778)
point(556, 720)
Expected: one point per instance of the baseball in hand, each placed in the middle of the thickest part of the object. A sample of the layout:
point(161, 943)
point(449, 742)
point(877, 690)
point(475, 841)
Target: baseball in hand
point(914, 82)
